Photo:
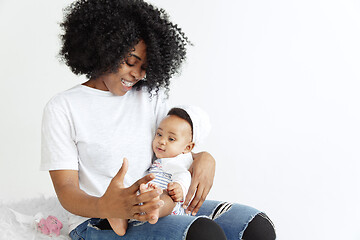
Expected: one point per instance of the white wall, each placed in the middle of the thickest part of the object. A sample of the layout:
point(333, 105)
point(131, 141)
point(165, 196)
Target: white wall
point(280, 80)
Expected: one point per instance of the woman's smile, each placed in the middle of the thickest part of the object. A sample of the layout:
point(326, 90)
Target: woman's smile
point(128, 84)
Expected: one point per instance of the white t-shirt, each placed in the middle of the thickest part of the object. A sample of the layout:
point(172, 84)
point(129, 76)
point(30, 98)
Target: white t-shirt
point(91, 131)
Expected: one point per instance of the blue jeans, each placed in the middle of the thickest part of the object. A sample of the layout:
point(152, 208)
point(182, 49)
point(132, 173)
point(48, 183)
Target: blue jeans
point(174, 227)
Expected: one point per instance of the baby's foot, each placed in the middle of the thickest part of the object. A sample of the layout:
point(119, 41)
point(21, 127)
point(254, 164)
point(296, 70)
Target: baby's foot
point(118, 225)
point(155, 213)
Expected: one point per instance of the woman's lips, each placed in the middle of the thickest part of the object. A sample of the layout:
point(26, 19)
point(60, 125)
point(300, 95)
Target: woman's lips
point(127, 84)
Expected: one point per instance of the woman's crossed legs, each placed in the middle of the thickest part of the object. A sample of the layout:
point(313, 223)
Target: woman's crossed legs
point(235, 220)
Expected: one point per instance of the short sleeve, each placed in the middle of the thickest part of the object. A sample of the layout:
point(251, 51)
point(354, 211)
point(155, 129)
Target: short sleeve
point(58, 147)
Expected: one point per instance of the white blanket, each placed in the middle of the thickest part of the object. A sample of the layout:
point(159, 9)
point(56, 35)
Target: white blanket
point(21, 225)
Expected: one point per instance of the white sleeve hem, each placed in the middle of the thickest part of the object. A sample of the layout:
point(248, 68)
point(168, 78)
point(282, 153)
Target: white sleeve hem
point(61, 166)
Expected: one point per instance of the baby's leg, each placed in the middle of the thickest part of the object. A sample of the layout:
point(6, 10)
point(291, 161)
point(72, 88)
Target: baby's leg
point(118, 225)
point(155, 213)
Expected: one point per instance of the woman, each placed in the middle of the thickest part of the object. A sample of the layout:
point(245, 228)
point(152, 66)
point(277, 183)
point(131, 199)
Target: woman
point(128, 50)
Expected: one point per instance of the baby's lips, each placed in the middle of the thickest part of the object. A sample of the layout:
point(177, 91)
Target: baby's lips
point(160, 149)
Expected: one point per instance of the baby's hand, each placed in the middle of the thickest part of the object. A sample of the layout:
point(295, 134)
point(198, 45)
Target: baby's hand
point(175, 191)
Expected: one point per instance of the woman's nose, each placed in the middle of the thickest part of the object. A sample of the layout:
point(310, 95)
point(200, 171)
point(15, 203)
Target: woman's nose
point(138, 74)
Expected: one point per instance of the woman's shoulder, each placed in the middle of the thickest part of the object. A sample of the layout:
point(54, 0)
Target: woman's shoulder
point(59, 100)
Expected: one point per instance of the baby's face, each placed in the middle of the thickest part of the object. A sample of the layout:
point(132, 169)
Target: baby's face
point(172, 137)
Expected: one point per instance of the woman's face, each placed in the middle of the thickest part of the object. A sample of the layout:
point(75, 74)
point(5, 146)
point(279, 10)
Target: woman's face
point(128, 74)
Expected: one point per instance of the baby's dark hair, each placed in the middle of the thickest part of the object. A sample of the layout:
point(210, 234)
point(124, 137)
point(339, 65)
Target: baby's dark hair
point(98, 35)
point(181, 113)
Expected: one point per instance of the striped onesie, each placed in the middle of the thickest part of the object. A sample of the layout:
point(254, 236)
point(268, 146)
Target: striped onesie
point(173, 169)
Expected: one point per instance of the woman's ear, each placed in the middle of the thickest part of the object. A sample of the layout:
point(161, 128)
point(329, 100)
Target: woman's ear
point(189, 147)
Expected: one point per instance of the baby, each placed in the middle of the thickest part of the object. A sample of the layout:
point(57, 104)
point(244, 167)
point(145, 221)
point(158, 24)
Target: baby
point(174, 140)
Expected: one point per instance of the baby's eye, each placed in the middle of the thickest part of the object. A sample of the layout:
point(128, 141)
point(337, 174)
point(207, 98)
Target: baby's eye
point(158, 134)
point(171, 139)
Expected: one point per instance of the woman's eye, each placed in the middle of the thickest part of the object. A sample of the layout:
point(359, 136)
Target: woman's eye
point(129, 64)
point(144, 66)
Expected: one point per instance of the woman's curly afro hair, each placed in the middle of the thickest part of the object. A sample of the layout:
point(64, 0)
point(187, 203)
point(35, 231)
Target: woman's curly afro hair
point(99, 34)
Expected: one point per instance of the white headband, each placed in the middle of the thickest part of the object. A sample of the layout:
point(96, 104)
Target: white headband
point(201, 123)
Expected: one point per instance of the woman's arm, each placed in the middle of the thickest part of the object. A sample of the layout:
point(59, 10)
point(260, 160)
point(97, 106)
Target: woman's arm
point(71, 197)
point(202, 171)
point(117, 201)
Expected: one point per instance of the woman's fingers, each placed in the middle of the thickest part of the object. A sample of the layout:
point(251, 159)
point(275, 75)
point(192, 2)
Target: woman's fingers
point(191, 192)
point(202, 176)
point(198, 200)
point(136, 186)
point(140, 210)
point(147, 196)
point(201, 191)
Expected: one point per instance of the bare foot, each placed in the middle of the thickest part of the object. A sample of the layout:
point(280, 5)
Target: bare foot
point(118, 225)
point(155, 213)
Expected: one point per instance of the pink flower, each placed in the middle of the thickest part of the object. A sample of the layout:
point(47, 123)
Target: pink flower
point(50, 225)
point(42, 227)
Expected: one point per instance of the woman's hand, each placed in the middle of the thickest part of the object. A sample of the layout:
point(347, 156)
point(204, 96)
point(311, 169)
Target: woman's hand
point(120, 202)
point(202, 176)
point(117, 202)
